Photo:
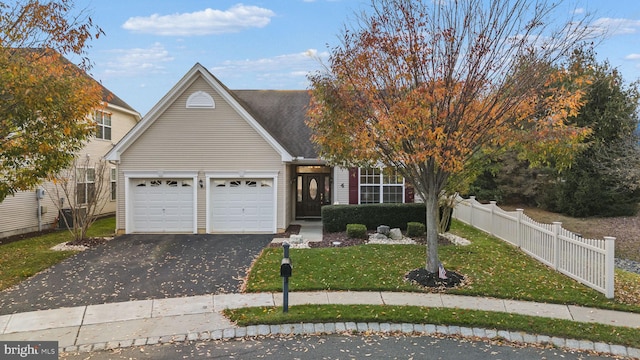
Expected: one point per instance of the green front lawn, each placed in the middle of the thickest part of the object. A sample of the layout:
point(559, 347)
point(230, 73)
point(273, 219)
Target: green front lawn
point(22, 259)
point(492, 268)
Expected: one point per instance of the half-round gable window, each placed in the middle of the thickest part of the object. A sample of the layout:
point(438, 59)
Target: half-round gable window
point(200, 100)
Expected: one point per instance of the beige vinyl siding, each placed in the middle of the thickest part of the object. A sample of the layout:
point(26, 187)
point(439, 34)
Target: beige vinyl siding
point(96, 148)
point(120, 208)
point(19, 213)
point(202, 140)
point(340, 185)
point(121, 123)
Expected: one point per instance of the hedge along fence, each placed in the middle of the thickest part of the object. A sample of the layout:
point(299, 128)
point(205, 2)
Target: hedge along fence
point(336, 217)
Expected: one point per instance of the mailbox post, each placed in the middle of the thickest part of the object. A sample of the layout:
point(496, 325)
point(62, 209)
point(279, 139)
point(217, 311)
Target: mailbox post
point(285, 272)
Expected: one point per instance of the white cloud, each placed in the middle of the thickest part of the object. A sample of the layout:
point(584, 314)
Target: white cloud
point(205, 22)
point(615, 26)
point(579, 11)
point(287, 71)
point(138, 61)
point(632, 57)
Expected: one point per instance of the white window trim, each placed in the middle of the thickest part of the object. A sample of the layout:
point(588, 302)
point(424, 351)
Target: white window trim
point(102, 125)
point(84, 182)
point(381, 186)
point(113, 180)
point(200, 100)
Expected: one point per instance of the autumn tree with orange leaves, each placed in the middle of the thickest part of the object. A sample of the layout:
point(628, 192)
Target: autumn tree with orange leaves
point(45, 100)
point(427, 86)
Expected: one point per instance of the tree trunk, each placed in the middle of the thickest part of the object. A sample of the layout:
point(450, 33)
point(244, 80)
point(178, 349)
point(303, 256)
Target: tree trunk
point(431, 202)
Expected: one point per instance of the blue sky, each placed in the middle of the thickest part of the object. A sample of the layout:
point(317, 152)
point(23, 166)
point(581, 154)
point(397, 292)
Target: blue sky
point(264, 44)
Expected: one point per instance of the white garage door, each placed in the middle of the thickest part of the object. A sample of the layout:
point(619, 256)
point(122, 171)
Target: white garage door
point(162, 205)
point(242, 205)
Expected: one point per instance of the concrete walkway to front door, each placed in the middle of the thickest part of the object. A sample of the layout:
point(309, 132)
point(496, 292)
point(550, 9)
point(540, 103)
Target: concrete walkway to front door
point(310, 230)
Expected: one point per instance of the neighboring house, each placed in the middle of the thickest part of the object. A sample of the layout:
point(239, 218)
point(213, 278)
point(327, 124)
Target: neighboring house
point(207, 159)
point(19, 213)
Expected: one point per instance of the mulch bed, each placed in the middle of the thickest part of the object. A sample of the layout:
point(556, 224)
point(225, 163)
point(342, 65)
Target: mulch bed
point(330, 240)
point(88, 242)
point(425, 278)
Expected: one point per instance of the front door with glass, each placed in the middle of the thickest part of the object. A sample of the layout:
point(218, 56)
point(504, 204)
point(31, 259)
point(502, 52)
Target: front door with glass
point(313, 192)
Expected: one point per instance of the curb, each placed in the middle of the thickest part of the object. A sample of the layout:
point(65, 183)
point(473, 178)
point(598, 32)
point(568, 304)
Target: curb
point(254, 331)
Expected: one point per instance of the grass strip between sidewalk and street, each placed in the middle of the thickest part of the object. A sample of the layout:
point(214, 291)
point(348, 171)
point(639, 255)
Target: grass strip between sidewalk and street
point(436, 316)
point(22, 259)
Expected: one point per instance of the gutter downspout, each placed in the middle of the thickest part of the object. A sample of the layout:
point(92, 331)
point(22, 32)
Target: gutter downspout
point(39, 197)
point(39, 214)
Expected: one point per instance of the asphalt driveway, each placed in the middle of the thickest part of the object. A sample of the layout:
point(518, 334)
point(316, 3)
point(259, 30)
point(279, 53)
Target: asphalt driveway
point(139, 267)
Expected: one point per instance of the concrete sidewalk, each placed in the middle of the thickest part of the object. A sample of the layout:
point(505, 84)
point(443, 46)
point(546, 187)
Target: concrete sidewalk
point(147, 322)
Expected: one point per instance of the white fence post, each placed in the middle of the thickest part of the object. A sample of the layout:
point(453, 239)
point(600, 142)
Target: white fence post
point(472, 199)
point(609, 273)
point(492, 222)
point(556, 244)
point(518, 226)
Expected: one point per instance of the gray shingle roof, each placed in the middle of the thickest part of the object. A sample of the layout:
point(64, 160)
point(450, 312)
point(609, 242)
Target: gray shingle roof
point(107, 95)
point(111, 98)
point(283, 114)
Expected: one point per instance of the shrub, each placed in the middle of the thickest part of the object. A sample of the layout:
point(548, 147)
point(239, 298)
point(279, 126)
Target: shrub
point(336, 217)
point(358, 231)
point(415, 229)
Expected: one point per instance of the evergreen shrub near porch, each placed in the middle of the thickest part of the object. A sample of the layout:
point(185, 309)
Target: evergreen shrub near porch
point(356, 231)
point(415, 229)
point(336, 217)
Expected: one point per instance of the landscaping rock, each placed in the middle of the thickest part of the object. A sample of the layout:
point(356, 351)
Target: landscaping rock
point(456, 240)
point(295, 239)
point(395, 234)
point(378, 237)
point(384, 230)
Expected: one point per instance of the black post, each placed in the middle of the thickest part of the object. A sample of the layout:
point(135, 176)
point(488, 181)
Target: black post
point(285, 281)
point(285, 246)
point(285, 294)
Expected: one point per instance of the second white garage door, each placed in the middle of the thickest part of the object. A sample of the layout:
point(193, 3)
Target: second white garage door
point(242, 205)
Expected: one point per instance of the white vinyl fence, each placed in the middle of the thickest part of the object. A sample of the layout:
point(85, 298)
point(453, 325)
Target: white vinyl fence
point(588, 261)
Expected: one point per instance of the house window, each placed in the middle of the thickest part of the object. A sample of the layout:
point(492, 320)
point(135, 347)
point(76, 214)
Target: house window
point(113, 183)
point(103, 123)
point(200, 100)
point(85, 185)
point(381, 186)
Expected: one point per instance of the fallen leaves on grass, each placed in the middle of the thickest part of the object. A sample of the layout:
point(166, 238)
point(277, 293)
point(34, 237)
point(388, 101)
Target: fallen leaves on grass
point(627, 287)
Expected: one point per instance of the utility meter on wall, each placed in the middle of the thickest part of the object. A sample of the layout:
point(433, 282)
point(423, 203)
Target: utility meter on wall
point(40, 193)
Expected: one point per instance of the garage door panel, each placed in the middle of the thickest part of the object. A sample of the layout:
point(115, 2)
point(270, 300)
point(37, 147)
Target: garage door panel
point(242, 205)
point(162, 205)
